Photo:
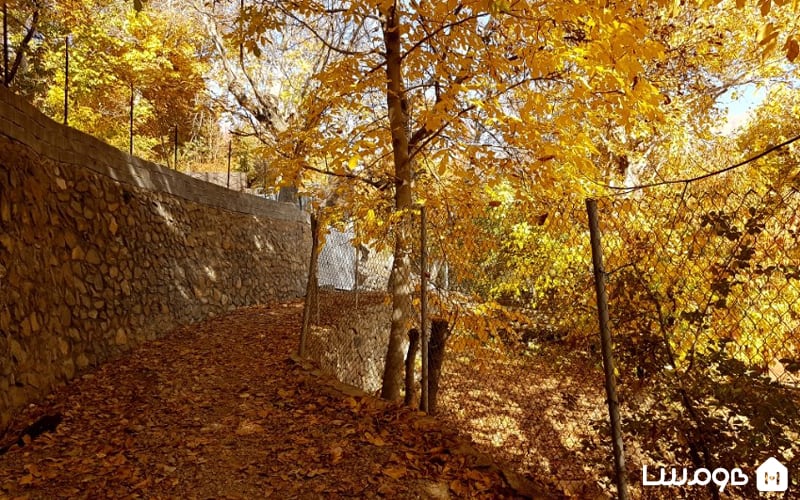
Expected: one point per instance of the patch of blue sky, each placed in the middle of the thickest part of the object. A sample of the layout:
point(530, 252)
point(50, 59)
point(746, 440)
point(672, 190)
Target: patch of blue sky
point(738, 104)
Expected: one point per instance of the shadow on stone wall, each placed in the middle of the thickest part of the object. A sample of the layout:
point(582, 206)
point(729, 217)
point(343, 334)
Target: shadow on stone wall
point(98, 256)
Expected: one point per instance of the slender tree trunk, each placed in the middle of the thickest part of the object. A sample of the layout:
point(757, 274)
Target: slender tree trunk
point(401, 285)
point(411, 357)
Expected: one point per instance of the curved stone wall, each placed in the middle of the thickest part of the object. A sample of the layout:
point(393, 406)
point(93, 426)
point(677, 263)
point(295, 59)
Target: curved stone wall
point(100, 251)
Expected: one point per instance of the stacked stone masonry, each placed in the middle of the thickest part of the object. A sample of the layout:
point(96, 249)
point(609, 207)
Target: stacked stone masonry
point(100, 251)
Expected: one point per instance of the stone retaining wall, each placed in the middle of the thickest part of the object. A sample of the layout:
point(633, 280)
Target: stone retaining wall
point(100, 251)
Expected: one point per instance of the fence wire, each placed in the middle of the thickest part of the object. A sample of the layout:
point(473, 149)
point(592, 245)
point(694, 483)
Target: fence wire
point(515, 390)
point(531, 391)
point(704, 294)
point(349, 307)
point(703, 284)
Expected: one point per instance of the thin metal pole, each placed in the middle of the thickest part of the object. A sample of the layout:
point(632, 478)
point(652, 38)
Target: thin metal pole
point(607, 348)
point(130, 139)
point(241, 33)
point(423, 306)
point(230, 149)
point(355, 272)
point(175, 161)
point(5, 42)
point(355, 266)
point(66, 80)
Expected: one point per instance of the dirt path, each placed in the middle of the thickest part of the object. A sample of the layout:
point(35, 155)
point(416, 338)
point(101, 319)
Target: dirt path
point(218, 410)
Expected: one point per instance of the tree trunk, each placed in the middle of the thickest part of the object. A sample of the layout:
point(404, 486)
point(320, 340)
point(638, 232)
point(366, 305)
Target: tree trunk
point(411, 357)
point(312, 286)
point(440, 331)
point(401, 285)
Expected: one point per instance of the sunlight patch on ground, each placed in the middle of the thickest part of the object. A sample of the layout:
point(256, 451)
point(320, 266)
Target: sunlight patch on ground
point(497, 429)
point(535, 413)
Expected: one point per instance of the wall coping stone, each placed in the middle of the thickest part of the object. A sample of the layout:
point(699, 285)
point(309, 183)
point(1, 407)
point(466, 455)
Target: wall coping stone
point(21, 122)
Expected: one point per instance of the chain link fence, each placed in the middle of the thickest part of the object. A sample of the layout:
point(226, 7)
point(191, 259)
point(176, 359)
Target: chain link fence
point(511, 389)
point(347, 307)
point(529, 388)
point(703, 295)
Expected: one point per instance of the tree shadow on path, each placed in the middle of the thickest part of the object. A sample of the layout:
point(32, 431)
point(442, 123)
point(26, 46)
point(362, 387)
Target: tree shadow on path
point(218, 410)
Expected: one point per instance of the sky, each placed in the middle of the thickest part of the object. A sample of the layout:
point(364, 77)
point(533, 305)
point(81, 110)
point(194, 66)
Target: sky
point(738, 107)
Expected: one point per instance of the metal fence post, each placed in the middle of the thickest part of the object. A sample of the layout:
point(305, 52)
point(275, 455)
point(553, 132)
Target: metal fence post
point(66, 80)
point(607, 349)
point(423, 307)
point(355, 264)
point(5, 42)
point(230, 151)
point(130, 138)
point(175, 161)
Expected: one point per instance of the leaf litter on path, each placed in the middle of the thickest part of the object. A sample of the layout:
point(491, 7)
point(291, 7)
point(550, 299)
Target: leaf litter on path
point(220, 410)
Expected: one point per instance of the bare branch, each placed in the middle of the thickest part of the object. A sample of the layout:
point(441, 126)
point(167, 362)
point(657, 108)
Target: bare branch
point(348, 175)
point(22, 47)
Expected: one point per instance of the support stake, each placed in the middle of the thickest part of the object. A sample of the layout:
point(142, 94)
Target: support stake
point(230, 149)
point(66, 80)
point(423, 306)
point(608, 354)
point(312, 288)
point(175, 161)
point(130, 138)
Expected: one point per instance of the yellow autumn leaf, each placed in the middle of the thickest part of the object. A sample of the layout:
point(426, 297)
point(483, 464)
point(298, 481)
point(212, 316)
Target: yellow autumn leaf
point(792, 49)
point(766, 33)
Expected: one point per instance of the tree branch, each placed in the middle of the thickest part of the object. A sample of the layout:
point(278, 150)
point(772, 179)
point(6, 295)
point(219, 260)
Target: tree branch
point(381, 186)
point(628, 189)
point(22, 47)
point(429, 35)
point(322, 39)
